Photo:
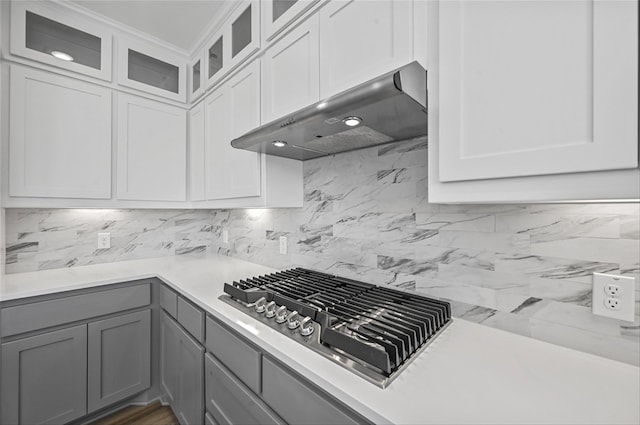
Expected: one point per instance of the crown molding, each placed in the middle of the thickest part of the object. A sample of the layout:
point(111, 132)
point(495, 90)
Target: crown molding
point(214, 25)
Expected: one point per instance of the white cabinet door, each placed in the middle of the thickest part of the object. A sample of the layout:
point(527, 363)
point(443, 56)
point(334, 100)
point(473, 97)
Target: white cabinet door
point(148, 68)
point(361, 39)
point(196, 80)
point(38, 29)
point(420, 32)
point(537, 87)
point(244, 106)
point(152, 150)
point(290, 67)
point(232, 110)
point(234, 42)
point(196, 153)
point(278, 14)
point(216, 135)
point(60, 137)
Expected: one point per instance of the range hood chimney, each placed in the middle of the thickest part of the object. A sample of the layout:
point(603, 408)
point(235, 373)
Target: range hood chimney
point(389, 108)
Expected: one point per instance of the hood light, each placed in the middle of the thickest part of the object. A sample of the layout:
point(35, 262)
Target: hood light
point(62, 55)
point(279, 143)
point(352, 121)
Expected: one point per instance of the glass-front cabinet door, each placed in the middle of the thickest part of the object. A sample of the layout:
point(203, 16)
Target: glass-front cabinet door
point(278, 14)
point(151, 69)
point(42, 32)
point(196, 80)
point(238, 39)
point(216, 58)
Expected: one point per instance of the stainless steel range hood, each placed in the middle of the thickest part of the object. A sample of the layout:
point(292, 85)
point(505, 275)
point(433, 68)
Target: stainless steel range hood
point(391, 107)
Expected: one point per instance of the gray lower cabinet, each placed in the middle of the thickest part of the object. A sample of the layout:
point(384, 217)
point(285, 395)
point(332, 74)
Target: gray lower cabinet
point(119, 358)
point(229, 401)
point(169, 346)
point(44, 378)
point(208, 420)
point(53, 374)
point(182, 372)
point(297, 402)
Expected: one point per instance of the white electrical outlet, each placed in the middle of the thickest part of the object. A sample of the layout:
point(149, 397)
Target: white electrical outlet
point(225, 236)
point(614, 296)
point(283, 244)
point(613, 304)
point(104, 240)
point(612, 290)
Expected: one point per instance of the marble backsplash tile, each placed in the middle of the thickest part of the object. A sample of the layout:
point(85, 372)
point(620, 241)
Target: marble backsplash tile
point(49, 239)
point(521, 268)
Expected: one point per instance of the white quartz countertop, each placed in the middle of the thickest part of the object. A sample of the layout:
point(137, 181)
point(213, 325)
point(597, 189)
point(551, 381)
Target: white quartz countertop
point(471, 374)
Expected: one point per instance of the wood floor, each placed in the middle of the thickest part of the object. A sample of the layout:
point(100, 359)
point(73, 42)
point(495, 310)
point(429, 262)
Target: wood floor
point(153, 414)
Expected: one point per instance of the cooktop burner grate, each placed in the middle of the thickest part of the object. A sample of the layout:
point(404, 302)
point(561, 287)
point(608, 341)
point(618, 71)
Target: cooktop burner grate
point(374, 330)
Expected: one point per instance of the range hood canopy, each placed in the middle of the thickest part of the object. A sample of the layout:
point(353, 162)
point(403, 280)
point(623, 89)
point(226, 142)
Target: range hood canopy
point(389, 108)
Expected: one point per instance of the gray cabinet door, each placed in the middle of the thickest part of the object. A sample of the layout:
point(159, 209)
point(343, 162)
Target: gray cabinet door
point(44, 378)
point(229, 401)
point(169, 370)
point(190, 381)
point(119, 358)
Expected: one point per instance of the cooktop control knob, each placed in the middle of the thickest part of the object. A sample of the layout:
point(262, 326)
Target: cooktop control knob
point(270, 309)
point(293, 320)
point(261, 305)
point(306, 326)
point(281, 314)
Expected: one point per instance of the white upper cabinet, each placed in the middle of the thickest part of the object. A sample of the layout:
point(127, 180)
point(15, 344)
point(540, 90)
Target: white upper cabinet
point(238, 39)
point(278, 14)
point(290, 67)
point(533, 100)
point(197, 158)
point(152, 150)
point(60, 137)
point(150, 69)
point(196, 79)
point(532, 88)
point(361, 39)
point(232, 110)
point(420, 32)
point(51, 36)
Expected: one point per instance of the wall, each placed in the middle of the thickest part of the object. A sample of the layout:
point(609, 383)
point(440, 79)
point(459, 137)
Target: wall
point(522, 268)
point(49, 239)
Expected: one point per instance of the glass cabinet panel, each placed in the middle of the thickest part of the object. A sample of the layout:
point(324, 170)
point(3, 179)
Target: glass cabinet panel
point(241, 32)
point(195, 75)
point(278, 7)
point(215, 57)
point(62, 41)
point(154, 72)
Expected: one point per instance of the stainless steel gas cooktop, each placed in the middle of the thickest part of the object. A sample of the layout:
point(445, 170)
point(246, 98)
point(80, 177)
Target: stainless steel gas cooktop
point(371, 330)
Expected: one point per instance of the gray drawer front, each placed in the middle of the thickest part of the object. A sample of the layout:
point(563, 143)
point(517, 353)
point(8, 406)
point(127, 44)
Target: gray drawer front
point(192, 318)
point(240, 358)
point(229, 401)
point(208, 420)
point(296, 402)
point(44, 314)
point(169, 301)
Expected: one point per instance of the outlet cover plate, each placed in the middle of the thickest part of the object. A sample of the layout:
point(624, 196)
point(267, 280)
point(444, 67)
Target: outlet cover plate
point(626, 296)
point(104, 240)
